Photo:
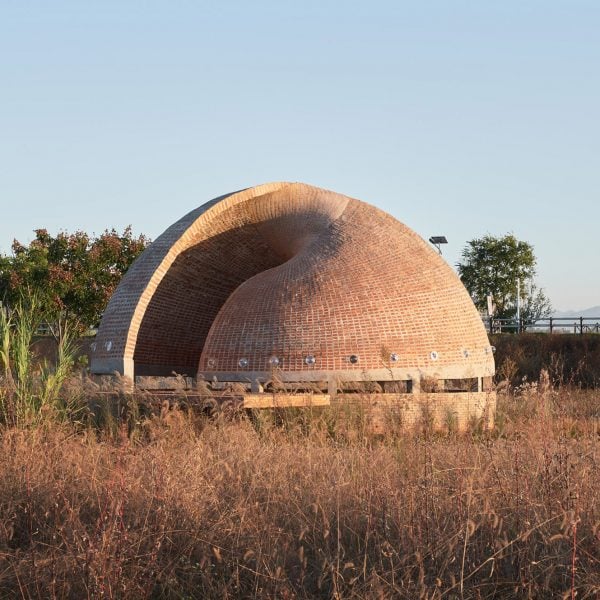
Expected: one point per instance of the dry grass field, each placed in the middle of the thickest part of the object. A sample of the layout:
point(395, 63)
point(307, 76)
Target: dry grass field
point(103, 496)
point(299, 505)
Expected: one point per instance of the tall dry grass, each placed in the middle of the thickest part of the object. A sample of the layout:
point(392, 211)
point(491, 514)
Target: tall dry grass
point(179, 506)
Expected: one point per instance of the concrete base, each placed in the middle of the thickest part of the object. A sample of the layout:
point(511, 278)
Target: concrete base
point(440, 411)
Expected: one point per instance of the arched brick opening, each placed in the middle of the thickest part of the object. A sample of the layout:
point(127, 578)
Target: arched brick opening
point(188, 299)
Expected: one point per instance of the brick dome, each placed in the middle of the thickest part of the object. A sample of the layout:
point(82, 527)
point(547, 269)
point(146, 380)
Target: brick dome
point(291, 277)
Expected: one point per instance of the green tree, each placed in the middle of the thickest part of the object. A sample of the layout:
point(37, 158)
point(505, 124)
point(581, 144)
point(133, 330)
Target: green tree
point(536, 305)
point(71, 275)
point(496, 266)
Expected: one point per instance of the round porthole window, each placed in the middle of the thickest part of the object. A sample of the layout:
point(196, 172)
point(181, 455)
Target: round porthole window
point(466, 353)
point(211, 363)
point(108, 346)
point(274, 361)
point(310, 359)
point(433, 355)
point(353, 358)
point(243, 362)
point(394, 357)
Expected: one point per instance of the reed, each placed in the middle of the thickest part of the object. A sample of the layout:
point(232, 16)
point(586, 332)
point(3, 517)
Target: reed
point(29, 388)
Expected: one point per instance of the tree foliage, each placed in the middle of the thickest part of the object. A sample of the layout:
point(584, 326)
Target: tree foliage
point(72, 275)
point(536, 305)
point(495, 265)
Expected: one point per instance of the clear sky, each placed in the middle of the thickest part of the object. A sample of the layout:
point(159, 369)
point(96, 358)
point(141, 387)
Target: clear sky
point(459, 118)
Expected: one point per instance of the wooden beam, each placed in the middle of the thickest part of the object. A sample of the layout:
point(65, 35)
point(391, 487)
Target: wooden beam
point(284, 400)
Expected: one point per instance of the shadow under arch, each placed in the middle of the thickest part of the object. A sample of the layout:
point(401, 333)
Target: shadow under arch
point(189, 297)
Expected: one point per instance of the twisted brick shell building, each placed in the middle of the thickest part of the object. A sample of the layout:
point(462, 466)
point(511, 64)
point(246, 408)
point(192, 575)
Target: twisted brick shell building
point(287, 276)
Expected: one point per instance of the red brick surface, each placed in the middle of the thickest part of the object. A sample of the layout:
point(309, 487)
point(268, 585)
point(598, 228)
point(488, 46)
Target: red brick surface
point(287, 271)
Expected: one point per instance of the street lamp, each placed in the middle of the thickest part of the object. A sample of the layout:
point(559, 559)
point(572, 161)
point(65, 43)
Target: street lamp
point(437, 240)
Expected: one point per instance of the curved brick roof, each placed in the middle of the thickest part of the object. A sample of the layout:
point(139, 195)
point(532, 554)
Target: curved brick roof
point(286, 271)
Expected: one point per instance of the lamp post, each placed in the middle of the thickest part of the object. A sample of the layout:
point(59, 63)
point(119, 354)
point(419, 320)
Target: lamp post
point(437, 240)
point(518, 305)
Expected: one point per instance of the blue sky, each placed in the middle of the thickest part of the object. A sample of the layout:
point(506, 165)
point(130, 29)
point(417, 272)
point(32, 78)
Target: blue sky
point(459, 118)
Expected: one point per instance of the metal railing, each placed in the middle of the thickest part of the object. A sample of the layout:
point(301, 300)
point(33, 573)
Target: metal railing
point(492, 325)
point(577, 325)
point(45, 330)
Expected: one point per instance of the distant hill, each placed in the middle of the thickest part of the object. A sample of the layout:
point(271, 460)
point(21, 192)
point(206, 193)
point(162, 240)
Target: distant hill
point(592, 312)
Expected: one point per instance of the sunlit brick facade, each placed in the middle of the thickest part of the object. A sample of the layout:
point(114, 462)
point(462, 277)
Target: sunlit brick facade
point(292, 278)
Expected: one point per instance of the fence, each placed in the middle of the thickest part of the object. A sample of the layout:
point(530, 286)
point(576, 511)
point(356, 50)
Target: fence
point(492, 325)
point(579, 325)
point(45, 330)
